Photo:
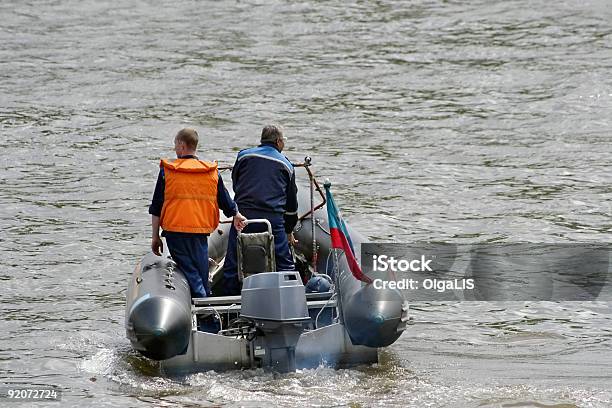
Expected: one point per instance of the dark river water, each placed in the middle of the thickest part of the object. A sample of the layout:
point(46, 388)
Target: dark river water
point(459, 122)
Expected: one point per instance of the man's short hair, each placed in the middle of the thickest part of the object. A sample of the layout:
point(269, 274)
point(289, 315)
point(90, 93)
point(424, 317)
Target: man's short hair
point(188, 136)
point(271, 133)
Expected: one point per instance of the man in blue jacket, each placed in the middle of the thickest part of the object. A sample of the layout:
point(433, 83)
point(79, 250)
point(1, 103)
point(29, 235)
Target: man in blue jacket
point(264, 187)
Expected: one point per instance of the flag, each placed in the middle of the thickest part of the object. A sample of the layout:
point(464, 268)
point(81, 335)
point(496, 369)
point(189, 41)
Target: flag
point(340, 237)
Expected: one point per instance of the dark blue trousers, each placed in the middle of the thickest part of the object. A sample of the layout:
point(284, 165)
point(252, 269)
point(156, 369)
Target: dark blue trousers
point(190, 252)
point(284, 259)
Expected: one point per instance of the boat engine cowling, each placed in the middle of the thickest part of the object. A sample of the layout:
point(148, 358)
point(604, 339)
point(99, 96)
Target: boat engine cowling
point(276, 303)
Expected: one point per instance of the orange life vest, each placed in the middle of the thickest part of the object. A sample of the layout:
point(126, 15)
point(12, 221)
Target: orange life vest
point(190, 196)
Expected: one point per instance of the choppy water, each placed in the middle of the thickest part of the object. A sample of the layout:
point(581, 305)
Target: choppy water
point(482, 121)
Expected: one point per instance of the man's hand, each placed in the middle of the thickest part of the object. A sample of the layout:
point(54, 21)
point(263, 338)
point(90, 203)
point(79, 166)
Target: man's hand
point(292, 240)
point(157, 246)
point(239, 221)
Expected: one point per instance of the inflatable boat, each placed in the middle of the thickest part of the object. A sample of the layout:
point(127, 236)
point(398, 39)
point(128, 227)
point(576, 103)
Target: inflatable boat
point(319, 314)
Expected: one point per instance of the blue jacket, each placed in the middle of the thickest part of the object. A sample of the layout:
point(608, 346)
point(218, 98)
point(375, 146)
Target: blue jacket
point(264, 180)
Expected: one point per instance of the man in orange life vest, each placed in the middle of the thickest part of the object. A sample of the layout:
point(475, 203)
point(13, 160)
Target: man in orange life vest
point(186, 202)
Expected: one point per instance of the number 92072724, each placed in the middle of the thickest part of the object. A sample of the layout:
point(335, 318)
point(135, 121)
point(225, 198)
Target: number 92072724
point(21, 393)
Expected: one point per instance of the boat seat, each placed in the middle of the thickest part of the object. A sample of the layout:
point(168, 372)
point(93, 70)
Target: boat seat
point(256, 251)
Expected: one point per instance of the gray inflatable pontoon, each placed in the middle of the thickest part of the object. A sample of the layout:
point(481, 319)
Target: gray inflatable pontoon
point(274, 324)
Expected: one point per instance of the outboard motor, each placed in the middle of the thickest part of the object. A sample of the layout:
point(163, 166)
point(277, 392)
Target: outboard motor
point(276, 303)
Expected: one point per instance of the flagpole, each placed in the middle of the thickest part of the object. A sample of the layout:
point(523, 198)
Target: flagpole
point(336, 267)
point(338, 287)
point(307, 163)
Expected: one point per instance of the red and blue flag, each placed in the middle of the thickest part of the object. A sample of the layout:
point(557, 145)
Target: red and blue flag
point(340, 237)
